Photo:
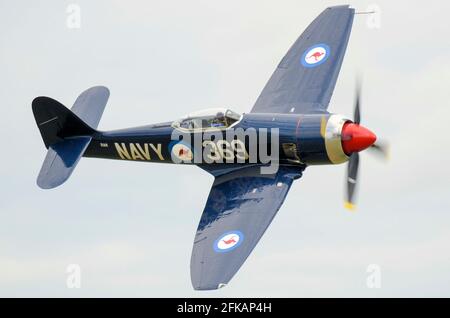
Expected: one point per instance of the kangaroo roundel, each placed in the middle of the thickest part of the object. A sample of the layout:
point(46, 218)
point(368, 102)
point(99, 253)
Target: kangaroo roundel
point(228, 241)
point(181, 151)
point(315, 55)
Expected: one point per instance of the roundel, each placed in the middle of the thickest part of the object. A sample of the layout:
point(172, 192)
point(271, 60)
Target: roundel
point(315, 55)
point(181, 151)
point(228, 241)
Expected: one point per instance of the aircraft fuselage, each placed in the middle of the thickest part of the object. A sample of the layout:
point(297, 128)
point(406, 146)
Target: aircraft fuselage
point(256, 138)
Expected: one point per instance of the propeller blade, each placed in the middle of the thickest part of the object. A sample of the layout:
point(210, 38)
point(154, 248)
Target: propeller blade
point(352, 177)
point(381, 149)
point(357, 110)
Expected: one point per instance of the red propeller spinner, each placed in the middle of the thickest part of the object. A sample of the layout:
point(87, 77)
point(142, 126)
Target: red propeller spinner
point(356, 138)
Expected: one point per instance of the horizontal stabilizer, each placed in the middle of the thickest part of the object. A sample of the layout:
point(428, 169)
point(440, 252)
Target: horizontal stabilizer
point(90, 105)
point(60, 161)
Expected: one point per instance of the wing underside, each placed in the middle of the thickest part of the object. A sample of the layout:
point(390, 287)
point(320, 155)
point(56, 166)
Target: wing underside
point(239, 209)
point(305, 78)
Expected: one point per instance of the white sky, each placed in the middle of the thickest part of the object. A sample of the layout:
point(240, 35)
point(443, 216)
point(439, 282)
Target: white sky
point(130, 226)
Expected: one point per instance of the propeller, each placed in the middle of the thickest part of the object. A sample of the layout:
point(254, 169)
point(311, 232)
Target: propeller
point(381, 149)
point(357, 109)
point(356, 138)
point(352, 178)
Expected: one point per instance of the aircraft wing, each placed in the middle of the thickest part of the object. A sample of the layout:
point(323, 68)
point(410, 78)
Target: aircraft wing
point(239, 209)
point(304, 80)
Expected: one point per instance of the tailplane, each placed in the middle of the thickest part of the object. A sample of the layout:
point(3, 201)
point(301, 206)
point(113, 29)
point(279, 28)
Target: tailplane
point(67, 133)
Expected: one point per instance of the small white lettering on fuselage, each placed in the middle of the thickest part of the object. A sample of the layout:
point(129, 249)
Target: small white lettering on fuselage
point(139, 151)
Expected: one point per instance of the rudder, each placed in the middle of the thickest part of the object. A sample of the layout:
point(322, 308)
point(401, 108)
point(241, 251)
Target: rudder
point(56, 122)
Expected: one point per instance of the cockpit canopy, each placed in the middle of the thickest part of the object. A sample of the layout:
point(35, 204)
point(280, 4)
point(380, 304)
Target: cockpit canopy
point(208, 119)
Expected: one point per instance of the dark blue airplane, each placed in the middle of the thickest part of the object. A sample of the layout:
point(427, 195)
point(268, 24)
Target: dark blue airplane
point(288, 129)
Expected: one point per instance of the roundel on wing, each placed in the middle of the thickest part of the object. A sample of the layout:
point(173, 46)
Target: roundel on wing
point(228, 241)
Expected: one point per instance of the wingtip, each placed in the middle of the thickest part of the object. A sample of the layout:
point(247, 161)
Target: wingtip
point(341, 6)
point(47, 185)
point(209, 287)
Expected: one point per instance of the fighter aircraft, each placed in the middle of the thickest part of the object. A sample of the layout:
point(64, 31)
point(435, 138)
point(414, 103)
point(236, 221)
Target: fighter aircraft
point(254, 157)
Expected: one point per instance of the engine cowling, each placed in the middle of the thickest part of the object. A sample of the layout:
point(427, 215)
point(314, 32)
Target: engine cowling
point(319, 139)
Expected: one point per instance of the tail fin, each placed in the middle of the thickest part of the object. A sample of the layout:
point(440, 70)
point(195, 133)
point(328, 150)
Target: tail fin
point(56, 122)
point(67, 133)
